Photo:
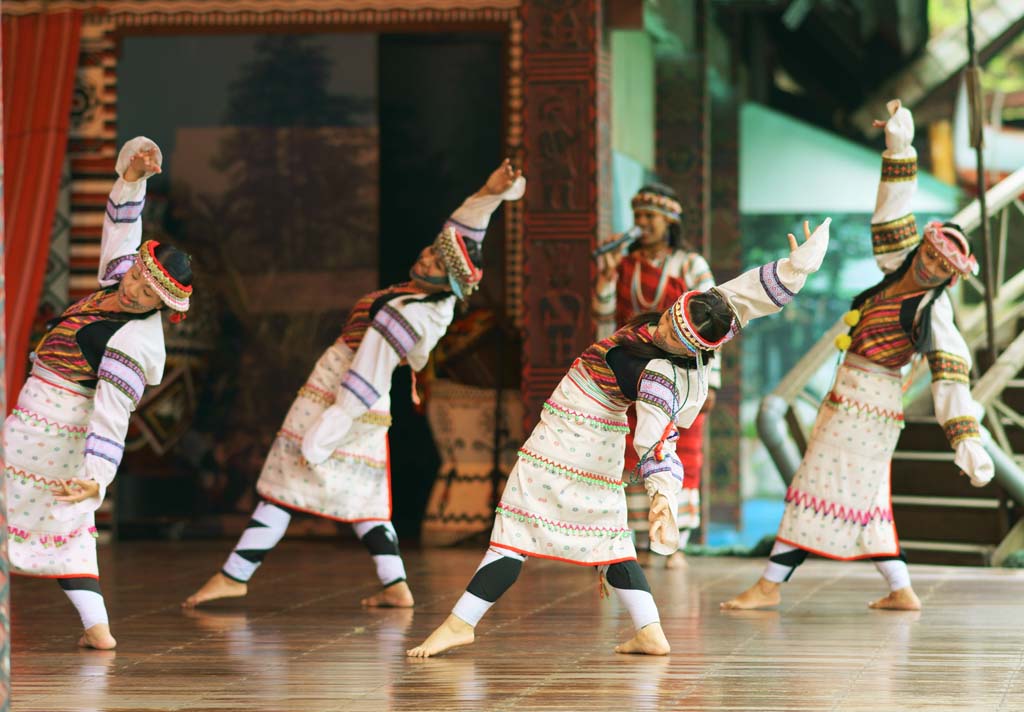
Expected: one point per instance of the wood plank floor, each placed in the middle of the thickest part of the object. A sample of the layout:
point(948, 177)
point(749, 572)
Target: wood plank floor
point(299, 641)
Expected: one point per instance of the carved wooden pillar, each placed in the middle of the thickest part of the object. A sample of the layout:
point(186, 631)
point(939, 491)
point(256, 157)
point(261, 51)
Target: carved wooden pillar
point(723, 484)
point(697, 154)
point(567, 161)
point(5, 578)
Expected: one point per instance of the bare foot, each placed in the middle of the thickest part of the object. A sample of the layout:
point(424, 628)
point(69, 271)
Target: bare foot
point(450, 634)
point(676, 561)
point(219, 586)
point(98, 637)
point(397, 595)
point(649, 640)
point(761, 595)
point(903, 599)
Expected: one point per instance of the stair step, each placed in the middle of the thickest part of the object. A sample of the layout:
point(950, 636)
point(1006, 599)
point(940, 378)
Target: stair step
point(959, 525)
point(915, 477)
point(1013, 397)
point(920, 551)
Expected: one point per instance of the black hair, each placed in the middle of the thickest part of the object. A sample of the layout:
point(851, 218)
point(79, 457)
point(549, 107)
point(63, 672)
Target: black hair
point(177, 263)
point(709, 312)
point(675, 229)
point(711, 315)
point(924, 324)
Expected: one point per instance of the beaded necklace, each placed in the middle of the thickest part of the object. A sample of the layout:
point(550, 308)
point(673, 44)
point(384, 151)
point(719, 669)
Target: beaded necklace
point(636, 291)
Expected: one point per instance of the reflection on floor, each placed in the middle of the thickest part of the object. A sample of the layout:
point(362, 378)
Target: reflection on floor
point(300, 641)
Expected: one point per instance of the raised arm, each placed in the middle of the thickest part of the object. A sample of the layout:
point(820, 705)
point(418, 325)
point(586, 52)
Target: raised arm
point(767, 289)
point(459, 244)
point(893, 227)
point(472, 217)
point(122, 225)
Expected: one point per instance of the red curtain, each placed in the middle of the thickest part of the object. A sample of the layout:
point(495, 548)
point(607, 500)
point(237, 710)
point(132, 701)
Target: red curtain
point(40, 57)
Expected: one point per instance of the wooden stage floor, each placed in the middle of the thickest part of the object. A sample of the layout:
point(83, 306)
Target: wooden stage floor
point(301, 642)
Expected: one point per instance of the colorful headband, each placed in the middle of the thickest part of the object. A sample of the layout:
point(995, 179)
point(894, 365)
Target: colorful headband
point(953, 246)
point(687, 332)
point(463, 275)
point(171, 292)
point(663, 204)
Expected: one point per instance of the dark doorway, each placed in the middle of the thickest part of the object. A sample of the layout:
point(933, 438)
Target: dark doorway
point(441, 130)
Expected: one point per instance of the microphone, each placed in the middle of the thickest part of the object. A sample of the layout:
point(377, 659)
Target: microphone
point(622, 242)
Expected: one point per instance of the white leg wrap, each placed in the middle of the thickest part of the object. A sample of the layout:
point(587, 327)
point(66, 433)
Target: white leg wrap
point(494, 554)
point(640, 604)
point(383, 549)
point(257, 540)
point(363, 528)
point(90, 606)
point(776, 572)
point(471, 608)
point(895, 572)
point(390, 569)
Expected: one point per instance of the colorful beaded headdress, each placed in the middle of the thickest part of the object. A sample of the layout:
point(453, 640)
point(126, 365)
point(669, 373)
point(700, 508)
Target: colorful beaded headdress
point(669, 207)
point(171, 292)
point(686, 331)
point(953, 246)
point(463, 275)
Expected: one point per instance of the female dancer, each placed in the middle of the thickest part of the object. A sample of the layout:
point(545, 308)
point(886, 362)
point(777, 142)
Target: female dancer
point(330, 457)
point(839, 504)
point(658, 269)
point(564, 499)
point(67, 433)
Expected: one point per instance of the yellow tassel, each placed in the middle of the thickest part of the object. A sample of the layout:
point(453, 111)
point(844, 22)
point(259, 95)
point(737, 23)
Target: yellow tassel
point(852, 317)
point(843, 342)
point(602, 586)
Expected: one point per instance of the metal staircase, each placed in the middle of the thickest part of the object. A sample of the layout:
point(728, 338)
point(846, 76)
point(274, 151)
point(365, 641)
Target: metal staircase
point(940, 517)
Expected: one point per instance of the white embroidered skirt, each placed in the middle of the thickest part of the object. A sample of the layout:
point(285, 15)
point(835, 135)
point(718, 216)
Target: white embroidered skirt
point(564, 497)
point(44, 442)
point(354, 483)
point(839, 504)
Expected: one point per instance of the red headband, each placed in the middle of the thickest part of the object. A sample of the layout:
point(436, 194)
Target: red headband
point(953, 246)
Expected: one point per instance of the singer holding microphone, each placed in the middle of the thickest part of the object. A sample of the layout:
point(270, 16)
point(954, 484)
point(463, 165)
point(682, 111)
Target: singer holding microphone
point(646, 269)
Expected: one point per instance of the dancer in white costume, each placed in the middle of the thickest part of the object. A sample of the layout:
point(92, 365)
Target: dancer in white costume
point(564, 498)
point(839, 504)
point(66, 435)
point(661, 264)
point(330, 457)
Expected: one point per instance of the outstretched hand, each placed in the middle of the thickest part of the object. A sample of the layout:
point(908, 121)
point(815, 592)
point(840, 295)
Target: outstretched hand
point(75, 490)
point(793, 243)
point(806, 257)
point(899, 127)
point(143, 163)
point(502, 178)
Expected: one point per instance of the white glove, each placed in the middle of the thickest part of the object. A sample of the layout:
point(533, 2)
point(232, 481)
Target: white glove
point(326, 433)
point(807, 258)
point(899, 129)
point(974, 461)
